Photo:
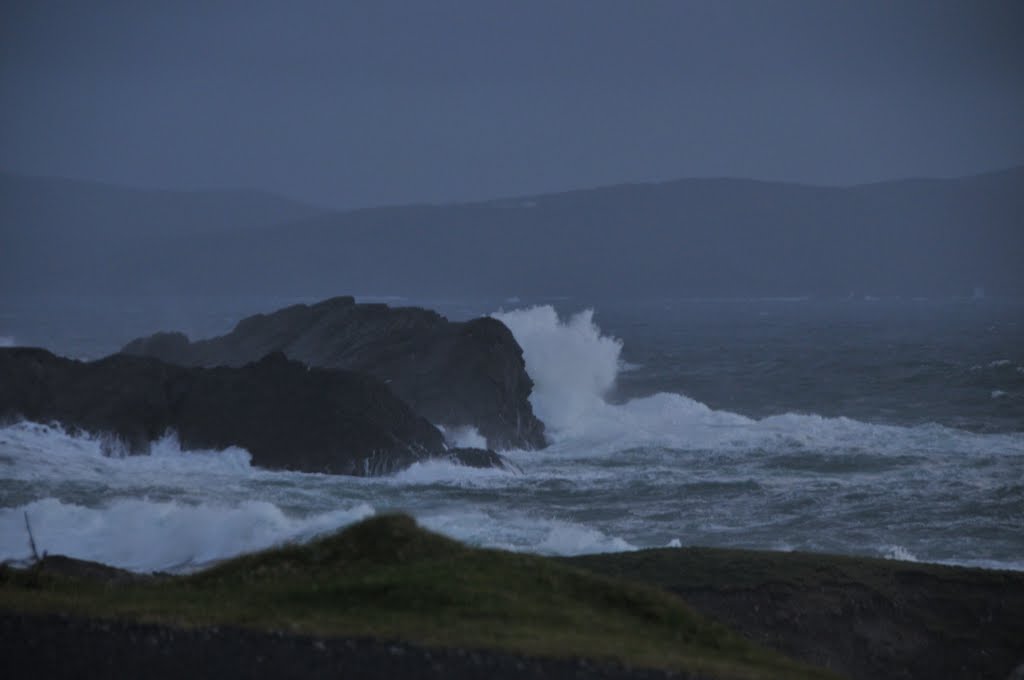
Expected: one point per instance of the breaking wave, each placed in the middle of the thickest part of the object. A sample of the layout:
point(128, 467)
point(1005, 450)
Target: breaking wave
point(463, 436)
point(45, 453)
point(574, 366)
point(142, 535)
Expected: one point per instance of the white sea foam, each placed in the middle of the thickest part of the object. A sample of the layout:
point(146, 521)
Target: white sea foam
point(896, 552)
point(446, 473)
point(564, 538)
point(523, 531)
point(178, 510)
point(678, 422)
point(143, 535)
point(572, 365)
point(997, 364)
point(43, 452)
point(463, 436)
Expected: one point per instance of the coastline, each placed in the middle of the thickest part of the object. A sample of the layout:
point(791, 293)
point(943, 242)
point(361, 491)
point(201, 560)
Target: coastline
point(855, 617)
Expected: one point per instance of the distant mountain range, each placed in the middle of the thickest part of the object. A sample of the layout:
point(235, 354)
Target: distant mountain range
point(63, 235)
point(686, 237)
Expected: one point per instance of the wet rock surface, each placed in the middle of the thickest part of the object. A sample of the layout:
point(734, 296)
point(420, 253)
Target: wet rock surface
point(452, 373)
point(288, 416)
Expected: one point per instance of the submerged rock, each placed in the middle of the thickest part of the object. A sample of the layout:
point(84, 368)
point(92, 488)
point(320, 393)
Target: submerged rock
point(455, 374)
point(287, 415)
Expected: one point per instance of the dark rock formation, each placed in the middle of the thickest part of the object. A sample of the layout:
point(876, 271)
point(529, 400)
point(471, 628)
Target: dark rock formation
point(288, 416)
point(479, 458)
point(454, 374)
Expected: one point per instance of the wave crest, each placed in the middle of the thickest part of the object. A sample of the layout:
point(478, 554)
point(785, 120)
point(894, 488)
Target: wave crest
point(573, 366)
point(143, 535)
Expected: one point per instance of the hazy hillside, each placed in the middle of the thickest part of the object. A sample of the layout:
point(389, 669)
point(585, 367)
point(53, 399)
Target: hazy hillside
point(61, 234)
point(687, 237)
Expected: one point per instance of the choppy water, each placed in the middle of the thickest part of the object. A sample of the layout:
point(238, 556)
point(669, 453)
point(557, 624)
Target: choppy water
point(891, 428)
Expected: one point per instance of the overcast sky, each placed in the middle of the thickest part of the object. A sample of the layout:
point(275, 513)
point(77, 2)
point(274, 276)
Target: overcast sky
point(356, 104)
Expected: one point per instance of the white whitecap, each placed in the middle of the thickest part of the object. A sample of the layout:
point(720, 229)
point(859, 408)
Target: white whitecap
point(573, 366)
point(564, 538)
point(522, 532)
point(463, 436)
point(443, 472)
point(897, 552)
point(571, 363)
point(47, 452)
point(143, 535)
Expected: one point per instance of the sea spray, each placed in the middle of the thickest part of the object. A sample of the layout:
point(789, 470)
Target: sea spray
point(573, 366)
point(143, 535)
point(50, 454)
point(462, 436)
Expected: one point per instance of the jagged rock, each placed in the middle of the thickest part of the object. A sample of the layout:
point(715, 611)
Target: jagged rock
point(480, 458)
point(287, 415)
point(454, 374)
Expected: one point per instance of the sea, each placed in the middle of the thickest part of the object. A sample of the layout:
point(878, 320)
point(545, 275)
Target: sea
point(890, 428)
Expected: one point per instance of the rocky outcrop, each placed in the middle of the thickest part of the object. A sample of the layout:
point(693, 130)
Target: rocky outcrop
point(287, 415)
point(454, 374)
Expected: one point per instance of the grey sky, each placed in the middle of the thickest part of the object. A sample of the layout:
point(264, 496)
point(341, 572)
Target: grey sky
point(355, 104)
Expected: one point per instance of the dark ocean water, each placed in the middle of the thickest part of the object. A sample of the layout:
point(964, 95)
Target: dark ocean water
point(879, 427)
point(958, 363)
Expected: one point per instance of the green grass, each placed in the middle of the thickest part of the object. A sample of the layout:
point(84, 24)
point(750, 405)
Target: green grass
point(387, 577)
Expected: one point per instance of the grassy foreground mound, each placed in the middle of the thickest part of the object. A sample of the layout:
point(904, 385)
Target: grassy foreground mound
point(388, 578)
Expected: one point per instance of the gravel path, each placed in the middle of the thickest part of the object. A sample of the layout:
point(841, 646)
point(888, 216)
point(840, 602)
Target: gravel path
point(52, 646)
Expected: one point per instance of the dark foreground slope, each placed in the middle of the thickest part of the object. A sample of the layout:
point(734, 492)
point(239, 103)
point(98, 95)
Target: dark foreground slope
point(286, 415)
point(388, 579)
point(304, 610)
point(453, 374)
point(868, 619)
point(60, 647)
